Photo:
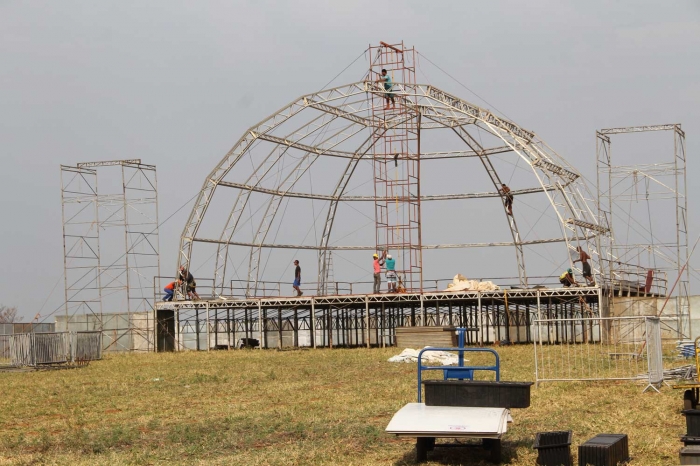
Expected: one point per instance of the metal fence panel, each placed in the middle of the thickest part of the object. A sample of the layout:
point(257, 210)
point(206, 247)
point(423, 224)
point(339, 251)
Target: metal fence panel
point(86, 346)
point(654, 352)
point(34, 349)
point(598, 348)
point(5, 350)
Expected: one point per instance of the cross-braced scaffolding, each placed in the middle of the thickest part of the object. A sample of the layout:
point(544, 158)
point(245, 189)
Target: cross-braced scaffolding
point(110, 238)
point(647, 207)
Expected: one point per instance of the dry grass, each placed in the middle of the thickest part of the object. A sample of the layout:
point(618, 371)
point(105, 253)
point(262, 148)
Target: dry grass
point(290, 407)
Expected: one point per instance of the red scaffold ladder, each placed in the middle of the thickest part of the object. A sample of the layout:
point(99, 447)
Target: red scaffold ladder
point(396, 155)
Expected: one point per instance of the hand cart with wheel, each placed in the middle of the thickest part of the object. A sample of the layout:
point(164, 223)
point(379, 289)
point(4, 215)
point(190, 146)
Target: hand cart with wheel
point(427, 421)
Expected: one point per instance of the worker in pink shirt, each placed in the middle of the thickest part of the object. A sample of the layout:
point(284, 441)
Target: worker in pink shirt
point(377, 265)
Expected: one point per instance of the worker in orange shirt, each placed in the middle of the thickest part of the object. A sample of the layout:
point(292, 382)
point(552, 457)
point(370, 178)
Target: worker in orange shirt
point(170, 290)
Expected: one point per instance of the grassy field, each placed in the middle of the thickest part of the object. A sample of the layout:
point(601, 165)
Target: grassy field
point(291, 407)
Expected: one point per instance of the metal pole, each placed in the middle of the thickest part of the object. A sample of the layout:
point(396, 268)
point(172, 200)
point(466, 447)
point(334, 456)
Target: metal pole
point(313, 323)
point(367, 321)
point(420, 239)
point(479, 319)
point(177, 329)
point(208, 329)
point(260, 324)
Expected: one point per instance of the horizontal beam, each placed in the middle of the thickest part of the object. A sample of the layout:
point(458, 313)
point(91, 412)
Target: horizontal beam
point(638, 129)
point(372, 248)
point(324, 197)
point(107, 163)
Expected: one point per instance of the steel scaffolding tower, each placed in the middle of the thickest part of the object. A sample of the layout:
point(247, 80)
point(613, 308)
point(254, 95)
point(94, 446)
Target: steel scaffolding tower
point(108, 275)
point(396, 161)
point(655, 260)
point(81, 241)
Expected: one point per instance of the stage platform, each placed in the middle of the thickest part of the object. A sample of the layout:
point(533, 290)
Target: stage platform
point(364, 319)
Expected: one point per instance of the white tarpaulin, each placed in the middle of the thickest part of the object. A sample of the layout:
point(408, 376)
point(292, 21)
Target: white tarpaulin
point(461, 283)
point(441, 358)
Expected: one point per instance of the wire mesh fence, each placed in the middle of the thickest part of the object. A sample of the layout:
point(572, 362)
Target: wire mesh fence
point(36, 349)
point(599, 348)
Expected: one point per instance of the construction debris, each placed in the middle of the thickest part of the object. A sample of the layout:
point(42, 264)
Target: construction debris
point(462, 283)
point(442, 358)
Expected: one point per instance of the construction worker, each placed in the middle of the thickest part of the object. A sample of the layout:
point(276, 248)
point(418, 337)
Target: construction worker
point(567, 278)
point(297, 278)
point(170, 290)
point(388, 95)
point(377, 267)
point(505, 191)
point(190, 285)
point(583, 257)
point(391, 273)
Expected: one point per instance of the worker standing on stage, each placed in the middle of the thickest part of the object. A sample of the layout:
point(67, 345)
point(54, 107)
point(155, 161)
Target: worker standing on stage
point(170, 290)
point(190, 285)
point(567, 278)
point(505, 191)
point(297, 278)
point(388, 95)
point(391, 273)
point(583, 257)
point(377, 267)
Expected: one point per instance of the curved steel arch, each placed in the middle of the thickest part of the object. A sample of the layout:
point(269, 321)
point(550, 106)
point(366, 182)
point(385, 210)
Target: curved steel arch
point(562, 184)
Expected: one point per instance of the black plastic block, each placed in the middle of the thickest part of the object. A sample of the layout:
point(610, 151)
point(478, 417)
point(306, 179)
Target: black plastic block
point(553, 448)
point(692, 422)
point(604, 450)
point(480, 394)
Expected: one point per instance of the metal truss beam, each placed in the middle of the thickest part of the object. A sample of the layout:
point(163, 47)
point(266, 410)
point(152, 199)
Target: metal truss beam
point(109, 163)
point(323, 197)
point(372, 248)
point(639, 129)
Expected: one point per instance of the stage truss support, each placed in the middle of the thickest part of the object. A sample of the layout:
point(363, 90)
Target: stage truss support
point(348, 124)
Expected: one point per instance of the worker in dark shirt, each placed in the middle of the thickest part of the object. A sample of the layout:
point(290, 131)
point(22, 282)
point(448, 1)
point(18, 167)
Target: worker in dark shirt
point(297, 278)
point(508, 197)
point(190, 285)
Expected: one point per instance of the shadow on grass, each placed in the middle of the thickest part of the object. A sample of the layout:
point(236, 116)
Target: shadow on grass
point(473, 454)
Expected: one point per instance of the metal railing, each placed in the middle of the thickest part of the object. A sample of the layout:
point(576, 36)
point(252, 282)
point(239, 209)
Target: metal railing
point(273, 289)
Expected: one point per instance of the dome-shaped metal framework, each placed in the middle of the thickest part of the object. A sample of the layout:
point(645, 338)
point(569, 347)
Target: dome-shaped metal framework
point(343, 147)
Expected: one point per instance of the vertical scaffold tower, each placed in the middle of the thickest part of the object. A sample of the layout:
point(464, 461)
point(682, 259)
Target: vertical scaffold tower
point(396, 161)
point(81, 241)
point(655, 258)
point(112, 286)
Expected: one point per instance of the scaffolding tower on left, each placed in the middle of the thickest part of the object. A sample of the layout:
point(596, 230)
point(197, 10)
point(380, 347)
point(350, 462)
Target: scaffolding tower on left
point(111, 252)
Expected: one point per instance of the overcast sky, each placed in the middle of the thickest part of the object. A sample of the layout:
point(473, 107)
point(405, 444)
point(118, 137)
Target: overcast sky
point(176, 84)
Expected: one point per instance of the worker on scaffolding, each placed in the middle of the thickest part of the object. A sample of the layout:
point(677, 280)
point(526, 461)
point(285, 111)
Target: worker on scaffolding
point(567, 279)
point(391, 273)
point(377, 264)
point(583, 257)
point(190, 285)
point(297, 278)
point(388, 95)
point(170, 290)
point(508, 196)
